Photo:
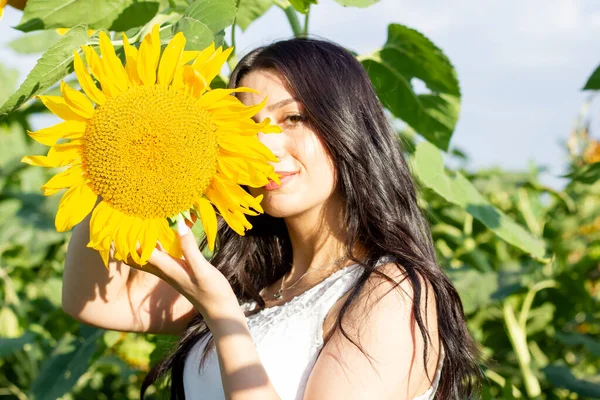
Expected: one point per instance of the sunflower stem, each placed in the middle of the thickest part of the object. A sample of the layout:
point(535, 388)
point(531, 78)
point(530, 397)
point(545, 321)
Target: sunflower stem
point(305, 30)
point(292, 16)
point(232, 60)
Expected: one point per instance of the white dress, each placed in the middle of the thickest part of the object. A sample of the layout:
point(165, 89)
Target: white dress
point(287, 338)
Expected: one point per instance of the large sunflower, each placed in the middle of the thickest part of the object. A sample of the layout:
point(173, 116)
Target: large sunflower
point(157, 144)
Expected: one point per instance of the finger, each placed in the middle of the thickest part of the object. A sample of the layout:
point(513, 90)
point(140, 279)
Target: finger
point(189, 247)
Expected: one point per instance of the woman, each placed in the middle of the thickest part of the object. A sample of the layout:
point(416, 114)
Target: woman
point(340, 293)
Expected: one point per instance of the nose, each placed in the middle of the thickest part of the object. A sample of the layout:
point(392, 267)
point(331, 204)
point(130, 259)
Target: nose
point(274, 142)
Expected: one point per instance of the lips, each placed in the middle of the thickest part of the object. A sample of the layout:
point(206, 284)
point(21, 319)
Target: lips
point(284, 178)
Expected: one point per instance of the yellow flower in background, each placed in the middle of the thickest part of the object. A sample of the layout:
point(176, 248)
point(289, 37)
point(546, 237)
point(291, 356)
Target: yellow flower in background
point(591, 154)
point(158, 142)
point(2, 5)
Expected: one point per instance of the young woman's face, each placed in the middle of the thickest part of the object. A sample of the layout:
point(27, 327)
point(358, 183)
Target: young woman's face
point(308, 173)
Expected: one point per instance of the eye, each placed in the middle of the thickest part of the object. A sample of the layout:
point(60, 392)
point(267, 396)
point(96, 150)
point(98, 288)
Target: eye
point(295, 119)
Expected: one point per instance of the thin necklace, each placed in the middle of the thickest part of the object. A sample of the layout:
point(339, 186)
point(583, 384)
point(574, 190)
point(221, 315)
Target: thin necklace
point(279, 293)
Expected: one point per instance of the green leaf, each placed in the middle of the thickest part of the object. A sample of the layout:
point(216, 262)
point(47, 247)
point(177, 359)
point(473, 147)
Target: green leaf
point(198, 36)
point(593, 82)
point(34, 43)
point(203, 21)
point(562, 377)
point(458, 190)
point(302, 5)
point(357, 3)
point(475, 288)
point(407, 56)
point(250, 10)
point(55, 64)
point(9, 346)
point(8, 77)
point(479, 289)
point(116, 15)
point(587, 174)
point(65, 366)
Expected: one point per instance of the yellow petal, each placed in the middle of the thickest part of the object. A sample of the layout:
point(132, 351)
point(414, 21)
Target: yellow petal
point(148, 240)
point(234, 112)
point(58, 156)
point(58, 106)
point(122, 249)
point(97, 67)
point(67, 129)
point(70, 177)
point(209, 221)
point(204, 55)
point(170, 59)
point(76, 203)
point(246, 145)
point(168, 239)
point(62, 31)
point(188, 56)
point(86, 81)
point(104, 222)
point(112, 64)
point(131, 57)
point(212, 67)
point(226, 209)
point(193, 81)
point(248, 127)
point(215, 95)
point(77, 101)
point(137, 231)
point(148, 57)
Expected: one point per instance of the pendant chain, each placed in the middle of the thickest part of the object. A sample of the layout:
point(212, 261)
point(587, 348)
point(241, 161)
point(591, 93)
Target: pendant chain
point(279, 293)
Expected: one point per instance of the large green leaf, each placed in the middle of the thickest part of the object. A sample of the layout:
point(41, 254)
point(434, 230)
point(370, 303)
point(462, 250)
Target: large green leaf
point(65, 366)
point(117, 15)
point(55, 64)
point(251, 10)
point(458, 190)
point(9, 346)
point(407, 56)
point(357, 3)
point(204, 21)
point(35, 42)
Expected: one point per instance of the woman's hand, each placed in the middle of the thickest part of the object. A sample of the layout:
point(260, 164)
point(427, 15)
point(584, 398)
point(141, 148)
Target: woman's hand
point(194, 277)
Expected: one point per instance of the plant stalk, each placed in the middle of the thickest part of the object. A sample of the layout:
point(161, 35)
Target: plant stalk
point(518, 339)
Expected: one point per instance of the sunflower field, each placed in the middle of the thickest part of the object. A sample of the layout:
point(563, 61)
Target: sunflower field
point(525, 257)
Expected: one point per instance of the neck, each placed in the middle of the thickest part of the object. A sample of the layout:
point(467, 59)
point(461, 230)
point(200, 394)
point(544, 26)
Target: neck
point(317, 239)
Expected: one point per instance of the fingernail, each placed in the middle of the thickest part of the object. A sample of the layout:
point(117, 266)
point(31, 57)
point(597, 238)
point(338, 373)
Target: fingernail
point(182, 228)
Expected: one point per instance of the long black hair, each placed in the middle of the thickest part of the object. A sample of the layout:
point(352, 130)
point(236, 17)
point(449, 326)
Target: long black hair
point(380, 210)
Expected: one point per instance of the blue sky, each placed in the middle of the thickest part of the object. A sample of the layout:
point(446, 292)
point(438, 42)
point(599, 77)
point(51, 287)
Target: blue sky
point(521, 65)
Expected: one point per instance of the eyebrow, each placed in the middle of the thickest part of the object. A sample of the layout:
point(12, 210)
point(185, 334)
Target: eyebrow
point(280, 104)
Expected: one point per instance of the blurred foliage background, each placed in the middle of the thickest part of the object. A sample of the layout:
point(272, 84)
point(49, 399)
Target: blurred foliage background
point(525, 257)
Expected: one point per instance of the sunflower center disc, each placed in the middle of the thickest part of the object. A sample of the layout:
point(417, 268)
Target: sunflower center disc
point(150, 152)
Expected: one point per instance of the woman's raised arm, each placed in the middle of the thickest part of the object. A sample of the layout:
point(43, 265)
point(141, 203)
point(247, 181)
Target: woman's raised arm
point(120, 297)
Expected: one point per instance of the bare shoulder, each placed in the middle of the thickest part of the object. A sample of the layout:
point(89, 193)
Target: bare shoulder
point(382, 321)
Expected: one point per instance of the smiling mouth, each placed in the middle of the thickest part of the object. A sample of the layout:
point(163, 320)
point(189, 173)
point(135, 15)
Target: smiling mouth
point(272, 185)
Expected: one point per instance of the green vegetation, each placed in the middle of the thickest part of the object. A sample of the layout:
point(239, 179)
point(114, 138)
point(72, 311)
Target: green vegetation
point(525, 257)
